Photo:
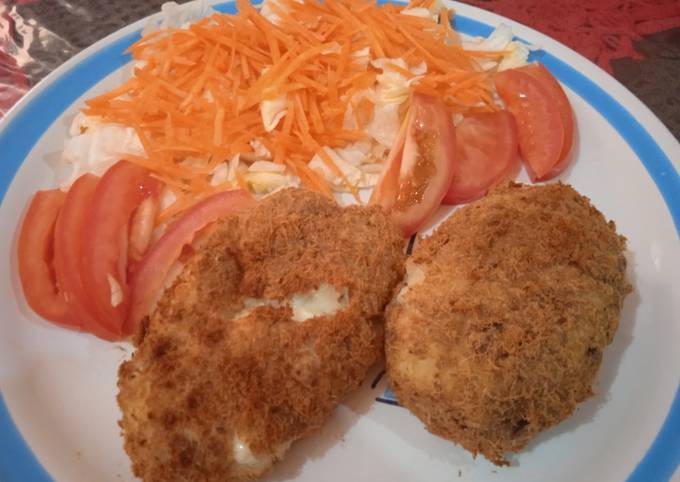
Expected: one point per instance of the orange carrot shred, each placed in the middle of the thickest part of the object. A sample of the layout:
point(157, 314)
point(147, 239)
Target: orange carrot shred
point(219, 121)
point(198, 92)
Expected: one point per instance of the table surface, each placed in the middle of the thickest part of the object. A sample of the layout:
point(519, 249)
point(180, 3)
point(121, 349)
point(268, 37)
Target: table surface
point(637, 41)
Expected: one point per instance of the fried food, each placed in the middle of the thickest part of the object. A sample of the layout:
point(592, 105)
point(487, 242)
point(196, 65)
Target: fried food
point(266, 329)
point(499, 328)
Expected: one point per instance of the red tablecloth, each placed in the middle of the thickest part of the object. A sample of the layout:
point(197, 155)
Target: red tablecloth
point(638, 41)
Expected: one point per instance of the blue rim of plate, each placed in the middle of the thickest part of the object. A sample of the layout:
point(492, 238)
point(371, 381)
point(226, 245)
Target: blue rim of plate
point(17, 138)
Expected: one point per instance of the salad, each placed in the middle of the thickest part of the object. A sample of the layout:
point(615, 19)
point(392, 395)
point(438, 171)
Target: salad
point(334, 96)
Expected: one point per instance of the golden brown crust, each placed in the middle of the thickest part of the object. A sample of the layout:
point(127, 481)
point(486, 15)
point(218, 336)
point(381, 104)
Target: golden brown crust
point(522, 292)
point(200, 378)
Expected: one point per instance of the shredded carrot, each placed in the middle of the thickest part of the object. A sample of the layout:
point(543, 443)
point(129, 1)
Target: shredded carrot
point(405, 72)
point(199, 91)
point(315, 115)
point(300, 115)
point(219, 121)
point(310, 177)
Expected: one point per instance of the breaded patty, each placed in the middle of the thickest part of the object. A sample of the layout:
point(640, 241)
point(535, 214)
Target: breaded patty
point(499, 331)
point(266, 329)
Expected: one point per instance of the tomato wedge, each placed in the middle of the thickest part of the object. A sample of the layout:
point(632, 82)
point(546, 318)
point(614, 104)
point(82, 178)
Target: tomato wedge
point(543, 75)
point(541, 129)
point(69, 233)
point(486, 154)
point(419, 168)
point(148, 279)
point(105, 245)
point(35, 252)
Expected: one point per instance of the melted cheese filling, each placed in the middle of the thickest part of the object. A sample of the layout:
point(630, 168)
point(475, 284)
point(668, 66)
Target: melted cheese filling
point(322, 301)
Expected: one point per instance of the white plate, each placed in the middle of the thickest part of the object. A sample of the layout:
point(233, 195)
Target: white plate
point(59, 387)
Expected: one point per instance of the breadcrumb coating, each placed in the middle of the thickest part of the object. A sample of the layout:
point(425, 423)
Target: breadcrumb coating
point(223, 379)
point(499, 331)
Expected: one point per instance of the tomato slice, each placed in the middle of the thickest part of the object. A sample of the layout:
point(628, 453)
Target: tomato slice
point(486, 154)
point(35, 252)
point(147, 281)
point(419, 167)
point(69, 233)
point(539, 122)
point(543, 75)
point(105, 244)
